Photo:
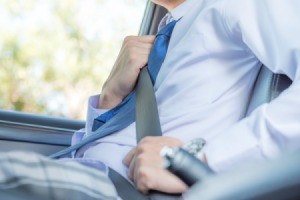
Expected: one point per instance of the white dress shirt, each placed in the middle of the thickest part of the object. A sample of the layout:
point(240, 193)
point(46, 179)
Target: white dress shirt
point(204, 84)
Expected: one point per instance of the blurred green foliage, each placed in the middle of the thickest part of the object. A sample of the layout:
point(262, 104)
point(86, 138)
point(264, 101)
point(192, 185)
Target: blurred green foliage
point(56, 53)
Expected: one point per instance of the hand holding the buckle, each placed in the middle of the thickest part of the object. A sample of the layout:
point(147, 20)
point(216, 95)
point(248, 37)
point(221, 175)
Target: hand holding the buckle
point(146, 166)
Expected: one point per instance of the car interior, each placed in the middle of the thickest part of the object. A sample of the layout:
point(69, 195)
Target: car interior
point(278, 179)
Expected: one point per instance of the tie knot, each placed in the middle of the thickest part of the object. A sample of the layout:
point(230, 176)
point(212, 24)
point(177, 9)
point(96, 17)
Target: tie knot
point(167, 30)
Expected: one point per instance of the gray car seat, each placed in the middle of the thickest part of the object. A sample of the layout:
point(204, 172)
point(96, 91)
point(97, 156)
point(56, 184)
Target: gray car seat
point(267, 87)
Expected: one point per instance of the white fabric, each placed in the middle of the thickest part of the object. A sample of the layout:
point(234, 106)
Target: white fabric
point(204, 84)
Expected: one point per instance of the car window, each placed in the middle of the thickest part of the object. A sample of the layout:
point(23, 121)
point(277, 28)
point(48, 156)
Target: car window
point(56, 53)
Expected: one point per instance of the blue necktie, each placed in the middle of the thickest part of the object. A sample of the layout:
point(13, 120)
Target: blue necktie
point(123, 114)
point(156, 58)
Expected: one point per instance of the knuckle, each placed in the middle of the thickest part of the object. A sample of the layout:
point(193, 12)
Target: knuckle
point(141, 187)
point(141, 149)
point(128, 38)
point(144, 180)
point(127, 47)
point(127, 43)
point(140, 160)
point(142, 174)
point(146, 139)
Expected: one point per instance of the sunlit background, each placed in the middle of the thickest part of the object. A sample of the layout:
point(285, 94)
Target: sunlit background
point(56, 53)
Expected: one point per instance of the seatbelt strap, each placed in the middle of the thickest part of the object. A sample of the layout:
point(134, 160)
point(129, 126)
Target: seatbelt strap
point(147, 124)
point(124, 189)
point(127, 191)
point(147, 119)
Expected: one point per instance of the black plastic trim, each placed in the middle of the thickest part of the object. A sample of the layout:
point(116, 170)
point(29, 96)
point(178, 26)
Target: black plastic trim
point(147, 19)
point(40, 120)
point(34, 134)
point(152, 17)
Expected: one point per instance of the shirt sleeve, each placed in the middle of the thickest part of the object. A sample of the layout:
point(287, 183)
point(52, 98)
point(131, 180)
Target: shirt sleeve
point(92, 112)
point(270, 29)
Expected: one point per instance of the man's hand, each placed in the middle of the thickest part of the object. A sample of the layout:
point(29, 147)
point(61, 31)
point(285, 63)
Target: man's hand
point(146, 166)
point(132, 58)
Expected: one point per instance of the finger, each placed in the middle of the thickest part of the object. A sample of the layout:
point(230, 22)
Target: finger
point(131, 169)
point(142, 39)
point(151, 178)
point(136, 47)
point(128, 158)
point(143, 182)
point(139, 48)
point(136, 65)
point(146, 38)
point(141, 165)
point(165, 181)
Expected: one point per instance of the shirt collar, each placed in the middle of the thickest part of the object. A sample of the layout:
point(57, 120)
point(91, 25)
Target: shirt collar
point(176, 13)
point(180, 10)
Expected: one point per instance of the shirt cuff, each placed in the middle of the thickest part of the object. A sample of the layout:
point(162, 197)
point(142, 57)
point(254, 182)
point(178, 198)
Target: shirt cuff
point(93, 112)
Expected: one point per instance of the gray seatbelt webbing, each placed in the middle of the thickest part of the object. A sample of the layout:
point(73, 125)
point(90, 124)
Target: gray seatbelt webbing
point(127, 191)
point(147, 119)
point(147, 124)
point(124, 189)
